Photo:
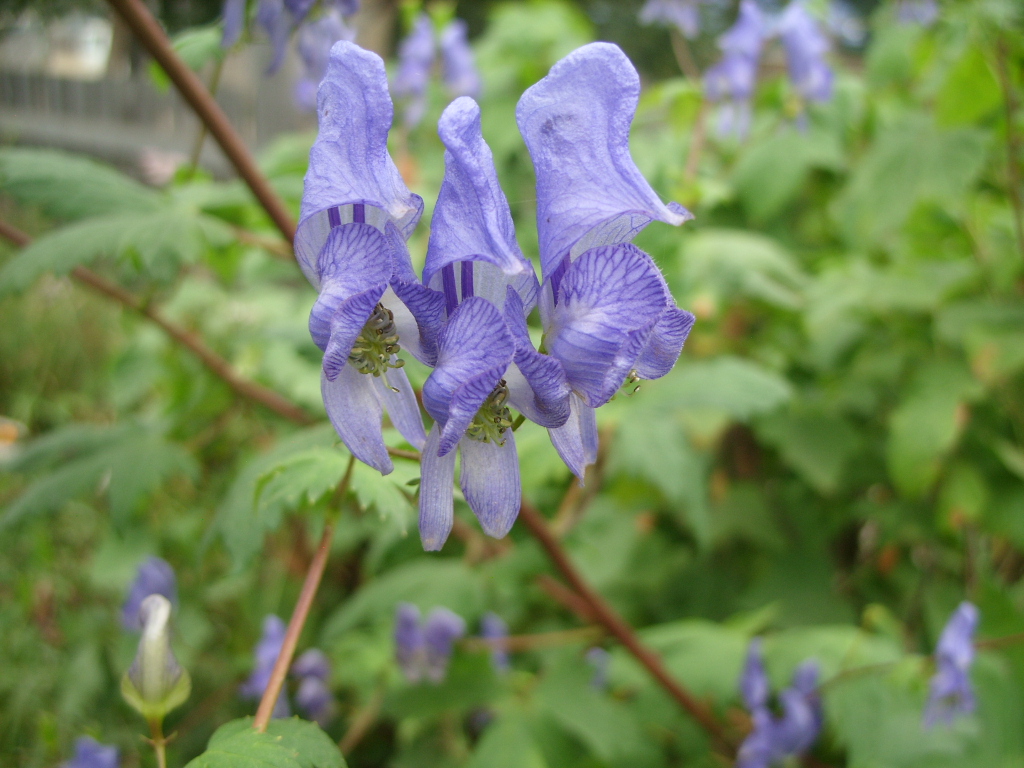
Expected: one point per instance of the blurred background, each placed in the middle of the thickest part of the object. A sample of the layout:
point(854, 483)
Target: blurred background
point(834, 464)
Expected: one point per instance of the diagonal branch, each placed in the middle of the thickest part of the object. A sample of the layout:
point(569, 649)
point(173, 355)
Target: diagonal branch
point(214, 363)
point(147, 29)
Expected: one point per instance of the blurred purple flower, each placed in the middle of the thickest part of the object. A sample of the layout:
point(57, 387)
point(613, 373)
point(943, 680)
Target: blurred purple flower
point(89, 753)
point(950, 691)
point(733, 78)
point(754, 680)
point(415, 60)
point(494, 628)
point(315, 40)
point(458, 68)
point(605, 307)
point(299, 9)
point(923, 13)
point(314, 697)
point(265, 654)
point(440, 631)
point(410, 646)
point(598, 658)
point(234, 22)
point(846, 24)
point(347, 7)
point(277, 22)
point(806, 46)
point(684, 15)
point(154, 577)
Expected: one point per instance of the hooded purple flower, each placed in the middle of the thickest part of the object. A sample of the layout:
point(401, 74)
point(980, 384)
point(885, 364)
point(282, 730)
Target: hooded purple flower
point(485, 361)
point(89, 753)
point(154, 577)
point(494, 628)
point(806, 46)
point(234, 22)
point(277, 22)
point(313, 696)
point(315, 40)
point(605, 308)
point(920, 12)
point(950, 691)
point(266, 652)
point(599, 658)
point(440, 631)
point(410, 647)
point(356, 214)
point(458, 69)
point(732, 79)
point(415, 60)
point(684, 15)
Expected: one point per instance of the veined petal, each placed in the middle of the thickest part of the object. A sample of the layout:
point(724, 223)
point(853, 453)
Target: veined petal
point(438, 474)
point(609, 301)
point(664, 344)
point(419, 314)
point(473, 341)
point(489, 477)
point(464, 404)
point(402, 408)
point(576, 441)
point(347, 323)
point(472, 220)
point(349, 163)
point(536, 383)
point(355, 412)
point(576, 125)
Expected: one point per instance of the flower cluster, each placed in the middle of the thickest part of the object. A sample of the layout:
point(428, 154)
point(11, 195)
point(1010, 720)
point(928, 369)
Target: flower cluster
point(950, 692)
point(424, 648)
point(154, 577)
point(774, 738)
point(733, 78)
point(89, 753)
point(605, 309)
point(416, 55)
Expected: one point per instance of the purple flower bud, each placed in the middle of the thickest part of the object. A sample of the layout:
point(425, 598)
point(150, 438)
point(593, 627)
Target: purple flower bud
point(599, 659)
point(844, 23)
point(272, 16)
point(315, 700)
point(458, 68)
point(684, 15)
point(154, 577)
point(312, 663)
point(347, 7)
point(410, 646)
point(493, 627)
point(924, 13)
point(265, 654)
point(299, 9)
point(89, 753)
point(806, 47)
point(234, 21)
point(802, 715)
point(754, 680)
point(314, 43)
point(733, 77)
point(440, 631)
point(415, 60)
point(950, 691)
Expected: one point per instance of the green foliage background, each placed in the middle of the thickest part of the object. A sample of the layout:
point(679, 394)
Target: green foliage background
point(835, 462)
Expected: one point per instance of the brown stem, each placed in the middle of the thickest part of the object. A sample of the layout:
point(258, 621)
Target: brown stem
point(197, 147)
point(147, 29)
point(362, 722)
point(538, 640)
point(697, 142)
point(684, 57)
point(214, 363)
point(607, 617)
point(1012, 143)
point(560, 593)
point(301, 612)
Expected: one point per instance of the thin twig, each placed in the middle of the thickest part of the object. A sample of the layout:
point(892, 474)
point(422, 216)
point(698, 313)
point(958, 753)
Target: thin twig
point(214, 363)
point(301, 612)
point(1012, 143)
point(147, 29)
point(362, 722)
point(560, 593)
point(197, 148)
point(617, 626)
point(515, 643)
point(684, 56)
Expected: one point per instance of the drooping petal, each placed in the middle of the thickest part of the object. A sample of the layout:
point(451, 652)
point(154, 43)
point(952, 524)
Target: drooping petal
point(436, 493)
point(576, 125)
point(489, 478)
point(754, 680)
point(347, 322)
point(464, 404)
point(234, 22)
point(419, 314)
point(664, 344)
point(277, 23)
point(401, 405)
point(537, 385)
point(472, 220)
point(609, 301)
point(473, 342)
point(349, 163)
point(576, 441)
point(458, 68)
point(356, 414)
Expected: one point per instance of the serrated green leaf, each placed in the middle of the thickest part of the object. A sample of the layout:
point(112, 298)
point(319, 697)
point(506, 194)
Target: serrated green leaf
point(287, 743)
point(302, 479)
point(70, 186)
point(196, 47)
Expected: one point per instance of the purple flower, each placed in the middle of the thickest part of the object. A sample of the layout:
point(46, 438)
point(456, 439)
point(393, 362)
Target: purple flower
point(485, 360)
point(605, 308)
point(732, 79)
point(356, 214)
point(277, 22)
point(684, 15)
point(415, 60)
point(458, 69)
point(313, 696)
point(598, 658)
point(347, 7)
point(315, 40)
point(774, 738)
point(234, 22)
point(806, 46)
point(299, 9)
point(923, 13)
point(950, 691)
point(266, 652)
point(845, 23)
point(494, 628)
point(89, 753)
point(154, 577)
point(410, 646)
point(440, 631)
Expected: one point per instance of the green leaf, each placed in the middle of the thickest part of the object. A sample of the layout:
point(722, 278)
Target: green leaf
point(387, 494)
point(818, 446)
point(470, 682)
point(507, 743)
point(196, 47)
point(71, 187)
point(737, 387)
point(970, 92)
point(287, 743)
point(301, 480)
point(705, 656)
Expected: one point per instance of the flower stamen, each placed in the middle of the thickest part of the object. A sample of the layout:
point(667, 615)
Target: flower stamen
point(376, 345)
point(493, 418)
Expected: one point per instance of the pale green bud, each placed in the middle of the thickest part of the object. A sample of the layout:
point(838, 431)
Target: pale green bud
point(155, 684)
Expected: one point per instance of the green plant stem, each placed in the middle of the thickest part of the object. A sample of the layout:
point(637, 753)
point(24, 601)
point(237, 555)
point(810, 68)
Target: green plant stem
point(197, 148)
point(1012, 144)
point(159, 742)
point(302, 606)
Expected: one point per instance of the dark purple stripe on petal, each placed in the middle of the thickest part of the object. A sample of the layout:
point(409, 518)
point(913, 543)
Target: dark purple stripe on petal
point(556, 276)
point(359, 213)
point(451, 298)
point(467, 279)
point(334, 217)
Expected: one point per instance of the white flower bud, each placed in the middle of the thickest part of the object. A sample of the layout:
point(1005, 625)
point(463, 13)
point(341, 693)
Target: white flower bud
point(155, 684)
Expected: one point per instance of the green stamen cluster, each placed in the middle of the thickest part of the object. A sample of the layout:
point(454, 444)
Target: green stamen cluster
point(377, 342)
point(493, 418)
